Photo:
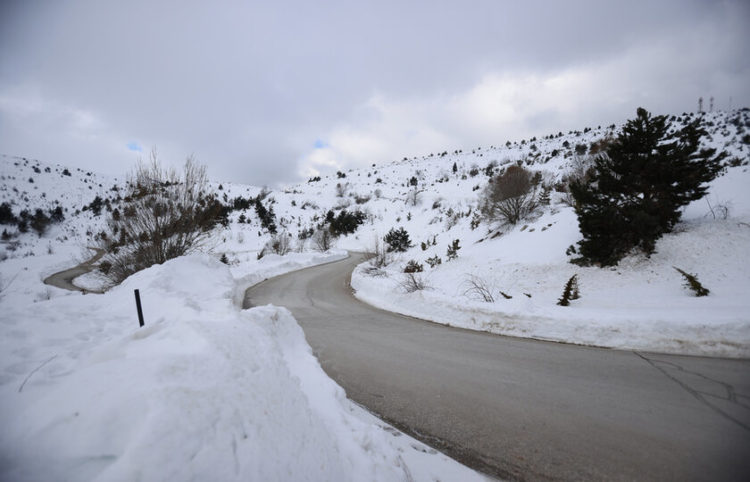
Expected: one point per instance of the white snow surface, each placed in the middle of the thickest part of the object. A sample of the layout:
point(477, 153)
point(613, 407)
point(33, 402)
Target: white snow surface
point(205, 391)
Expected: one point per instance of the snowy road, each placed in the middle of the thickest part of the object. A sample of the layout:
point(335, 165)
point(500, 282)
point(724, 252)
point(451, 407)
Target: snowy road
point(64, 279)
point(525, 409)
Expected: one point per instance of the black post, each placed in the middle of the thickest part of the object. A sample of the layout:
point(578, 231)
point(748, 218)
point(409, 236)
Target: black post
point(138, 305)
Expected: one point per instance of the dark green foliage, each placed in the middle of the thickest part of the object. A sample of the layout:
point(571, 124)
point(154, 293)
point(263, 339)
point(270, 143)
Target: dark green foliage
point(96, 206)
point(691, 281)
point(397, 240)
point(56, 215)
point(453, 250)
point(6, 214)
point(224, 258)
point(66, 172)
point(434, 261)
point(570, 292)
point(40, 222)
point(240, 204)
point(345, 223)
point(413, 181)
point(455, 168)
point(266, 216)
point(413, 267)
point(636, 191)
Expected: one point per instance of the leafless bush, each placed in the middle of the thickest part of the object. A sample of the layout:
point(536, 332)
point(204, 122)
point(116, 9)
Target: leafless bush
point(380, 254)
point(720, 211)
point(341, 189)
point(412, 198)
point(375, 272)
point(166, 215)
point(279, 243)
point(477, 288)
point(509, 197)
point(412, 282)
point(323, 240)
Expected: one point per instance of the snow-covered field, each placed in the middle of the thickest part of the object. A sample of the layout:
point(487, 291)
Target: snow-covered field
point(205, 391)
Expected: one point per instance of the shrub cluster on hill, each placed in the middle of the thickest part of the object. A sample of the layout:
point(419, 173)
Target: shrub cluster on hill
point(165, 215)
point(39, 221)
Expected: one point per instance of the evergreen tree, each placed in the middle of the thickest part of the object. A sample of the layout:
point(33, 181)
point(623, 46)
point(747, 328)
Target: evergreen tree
point(397, 240)
point(639, 186)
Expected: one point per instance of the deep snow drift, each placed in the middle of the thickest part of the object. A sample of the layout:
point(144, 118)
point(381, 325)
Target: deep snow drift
point(205, 391)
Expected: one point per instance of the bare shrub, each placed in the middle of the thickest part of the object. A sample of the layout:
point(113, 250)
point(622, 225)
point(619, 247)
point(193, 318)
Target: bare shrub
point(380, 254)
point(477, 288)
point(412, 282)
point(166, 215)
point(323, 240)
point(720, 211)
point(412, 197)
point(509, 197)
point(279, 243)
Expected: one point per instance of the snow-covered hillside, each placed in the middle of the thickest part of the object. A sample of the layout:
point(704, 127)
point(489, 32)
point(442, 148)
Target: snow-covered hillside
point(209, 389)
point(640, 304)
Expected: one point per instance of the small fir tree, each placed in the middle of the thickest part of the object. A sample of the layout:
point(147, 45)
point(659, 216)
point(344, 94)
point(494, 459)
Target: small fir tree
point(453, 250)
point(570, 292)
point(397, 240)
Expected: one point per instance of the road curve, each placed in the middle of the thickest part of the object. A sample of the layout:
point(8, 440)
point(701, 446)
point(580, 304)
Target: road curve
point(525, 409)
point(64, 279)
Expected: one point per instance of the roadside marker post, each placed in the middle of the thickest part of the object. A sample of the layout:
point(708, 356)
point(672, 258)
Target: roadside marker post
point(138, 306)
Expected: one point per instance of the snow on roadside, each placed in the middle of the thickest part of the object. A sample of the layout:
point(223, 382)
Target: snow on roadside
point(641, 304)
point(205, 391)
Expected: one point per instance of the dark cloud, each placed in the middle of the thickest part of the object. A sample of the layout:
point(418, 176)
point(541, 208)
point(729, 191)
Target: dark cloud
point(249, 87)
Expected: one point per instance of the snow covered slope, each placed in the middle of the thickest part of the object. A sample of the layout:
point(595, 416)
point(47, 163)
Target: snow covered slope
point(640, 304)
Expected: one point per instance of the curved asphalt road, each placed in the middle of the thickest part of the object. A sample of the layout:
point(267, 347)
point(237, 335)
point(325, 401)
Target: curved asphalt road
point(525, 409)
point(64, 279)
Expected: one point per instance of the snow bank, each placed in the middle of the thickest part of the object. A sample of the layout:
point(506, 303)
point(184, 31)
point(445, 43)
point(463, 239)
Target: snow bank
point(642, 304)
point(205, 391)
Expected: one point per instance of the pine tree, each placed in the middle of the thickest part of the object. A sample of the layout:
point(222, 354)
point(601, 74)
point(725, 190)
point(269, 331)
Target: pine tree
point(639, 186)
point(397, 240)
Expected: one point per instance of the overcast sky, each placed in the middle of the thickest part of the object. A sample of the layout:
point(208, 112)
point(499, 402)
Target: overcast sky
point(271, 93)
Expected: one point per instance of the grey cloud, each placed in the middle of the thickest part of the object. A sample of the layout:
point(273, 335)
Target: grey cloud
point(249, 86)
